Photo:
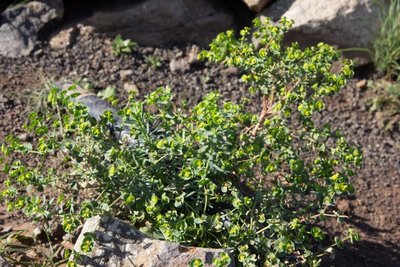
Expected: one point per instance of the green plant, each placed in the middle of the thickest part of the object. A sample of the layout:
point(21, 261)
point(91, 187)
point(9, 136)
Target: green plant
point(386, 50)
point(386, 103)
point(36, 99)
point(217, 176)
point(15, 247)
point(9, 247)
point(108, 93)
point(153, 61)
point(122, 46)
point(86, 84)
point(386, 57)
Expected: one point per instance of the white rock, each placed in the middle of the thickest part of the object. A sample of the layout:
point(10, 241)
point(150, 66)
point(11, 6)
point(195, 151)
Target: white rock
point(346, 23)
point(119, 244)
point(257, 5)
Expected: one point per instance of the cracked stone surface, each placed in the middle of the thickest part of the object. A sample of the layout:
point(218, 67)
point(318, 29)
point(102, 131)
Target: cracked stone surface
point(20, 25)
point(119, 244)
point(346, 23)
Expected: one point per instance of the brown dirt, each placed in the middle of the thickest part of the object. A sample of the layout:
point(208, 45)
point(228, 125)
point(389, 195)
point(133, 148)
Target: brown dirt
point(374, 208)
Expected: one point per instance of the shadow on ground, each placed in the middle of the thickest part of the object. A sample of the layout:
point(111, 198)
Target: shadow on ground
point(365, 253)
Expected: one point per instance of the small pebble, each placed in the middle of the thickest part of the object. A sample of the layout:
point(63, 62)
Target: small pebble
point(362, 84)
point(125, 74)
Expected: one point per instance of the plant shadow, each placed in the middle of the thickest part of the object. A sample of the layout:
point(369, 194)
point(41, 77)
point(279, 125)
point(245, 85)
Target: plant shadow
point(365, 253)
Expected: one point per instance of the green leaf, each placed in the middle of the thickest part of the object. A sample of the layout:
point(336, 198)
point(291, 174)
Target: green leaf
point(88, 242)
point(196, 263)
point(107, 93)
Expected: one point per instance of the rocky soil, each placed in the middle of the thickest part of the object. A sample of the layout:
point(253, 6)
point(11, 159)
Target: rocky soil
point(373, 210)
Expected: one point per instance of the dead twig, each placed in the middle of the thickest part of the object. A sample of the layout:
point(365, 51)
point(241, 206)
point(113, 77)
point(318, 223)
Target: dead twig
point(266, 110)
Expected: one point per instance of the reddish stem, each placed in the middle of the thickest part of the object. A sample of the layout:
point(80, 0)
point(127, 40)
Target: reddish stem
point(263, 113)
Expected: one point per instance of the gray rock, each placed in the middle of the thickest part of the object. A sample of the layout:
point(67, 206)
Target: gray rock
point(20, 25)
point(119, 244)
point(97, 107)
point(257, 5)
point(346, 23)
point(156, 22)
point(3, 262)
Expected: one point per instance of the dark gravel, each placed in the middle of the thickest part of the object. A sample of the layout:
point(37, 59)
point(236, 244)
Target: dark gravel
point(91, 57)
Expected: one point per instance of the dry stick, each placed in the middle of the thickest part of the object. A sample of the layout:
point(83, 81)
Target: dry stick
point(267, 106)
point(263, 113)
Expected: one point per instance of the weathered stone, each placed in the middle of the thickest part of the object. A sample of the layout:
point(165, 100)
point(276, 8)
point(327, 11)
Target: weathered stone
point(3, 262)
point(64, 38)
point(155, 22)
point(257, 5)
point(85, 31)
point(20, 25)
point(119, 244)
point(193, 54)
point(346, 23)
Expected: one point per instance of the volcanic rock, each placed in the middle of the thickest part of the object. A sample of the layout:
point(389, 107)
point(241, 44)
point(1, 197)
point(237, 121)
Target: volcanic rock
point(346, 23)
point(119, 244)
point(20, 25)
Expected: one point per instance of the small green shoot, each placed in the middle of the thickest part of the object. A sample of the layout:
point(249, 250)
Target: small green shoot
point(107, 93)
point(154, 61)
point(122, 46)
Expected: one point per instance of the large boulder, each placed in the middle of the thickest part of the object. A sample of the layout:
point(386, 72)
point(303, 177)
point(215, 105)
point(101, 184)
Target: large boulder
point(20, 25)
point(346, 23)
point(156, 22)
point(119, 244)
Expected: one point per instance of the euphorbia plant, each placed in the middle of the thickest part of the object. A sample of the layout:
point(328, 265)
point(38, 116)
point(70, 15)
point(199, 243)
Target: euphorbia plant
point(257, 185)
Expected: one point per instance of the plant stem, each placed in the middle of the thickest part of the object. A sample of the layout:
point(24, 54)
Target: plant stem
point(263, 113)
